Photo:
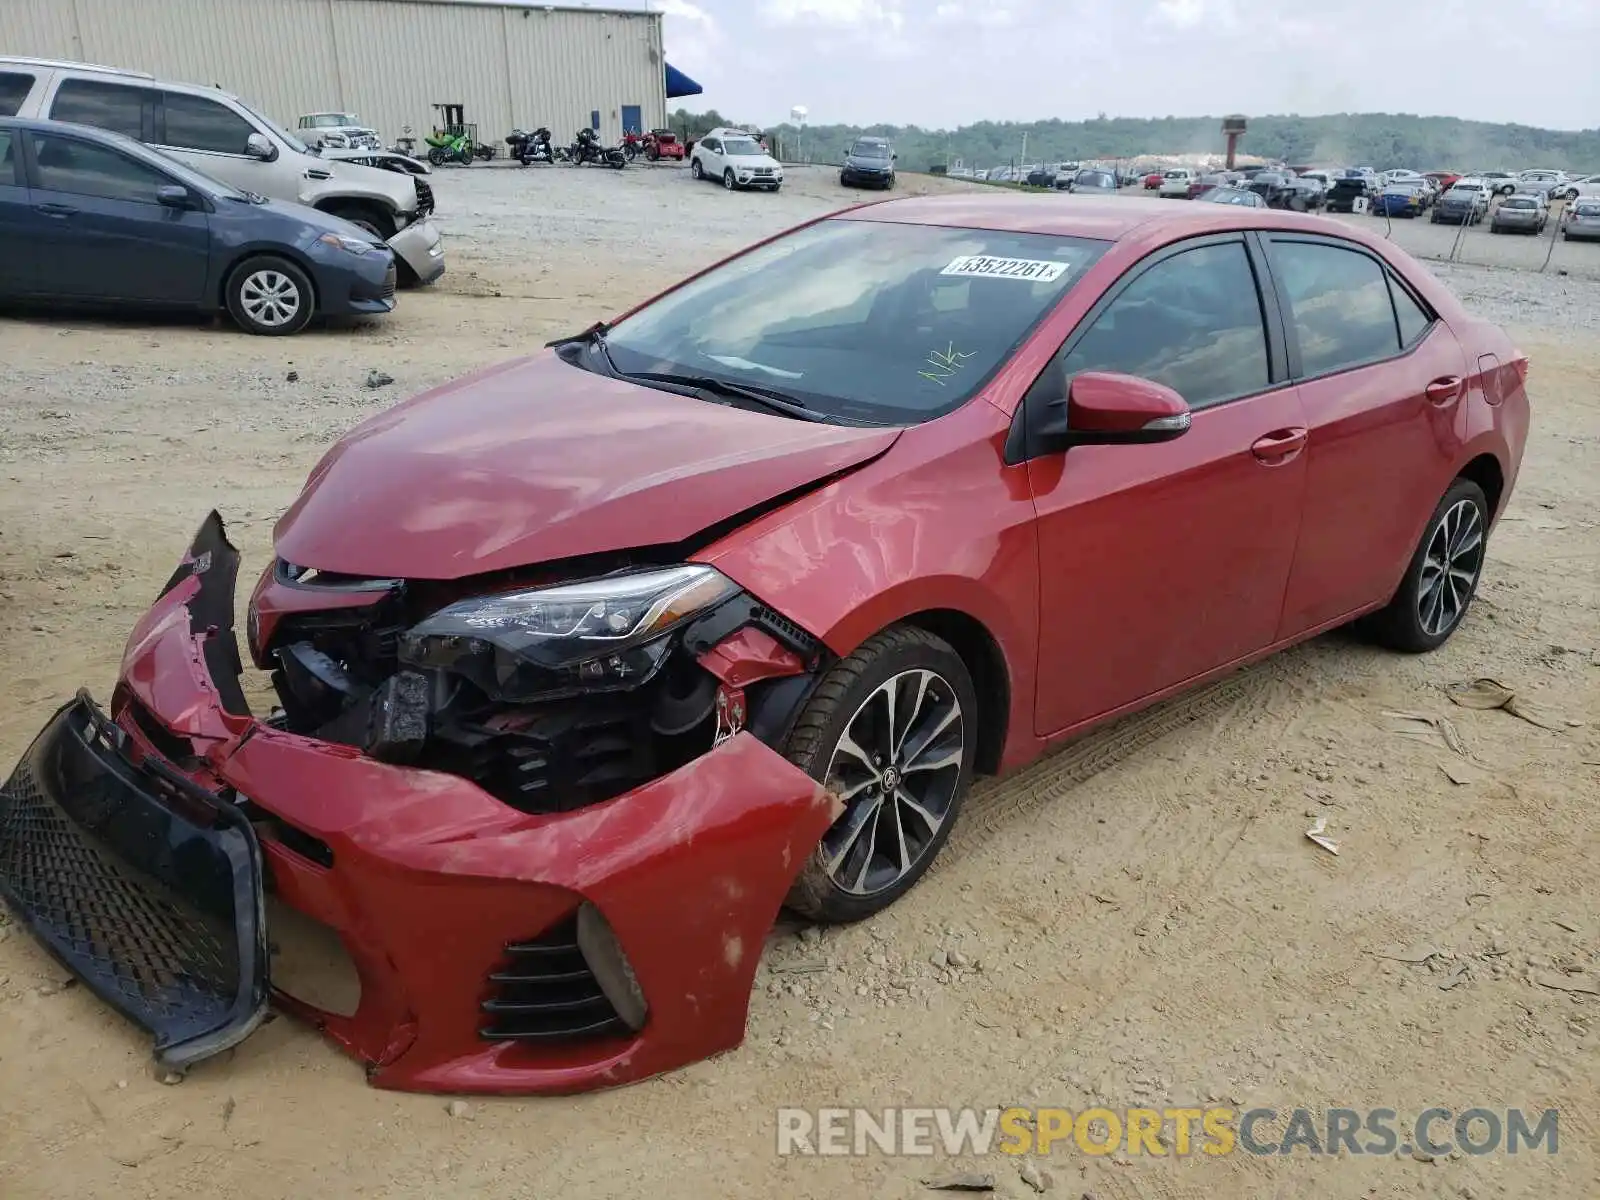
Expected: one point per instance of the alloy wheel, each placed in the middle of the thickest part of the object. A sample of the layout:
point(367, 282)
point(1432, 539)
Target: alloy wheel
point(270, 298)
point(1450, 567)
point(897, 766)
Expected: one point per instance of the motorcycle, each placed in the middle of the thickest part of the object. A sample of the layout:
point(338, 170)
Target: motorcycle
point(405, 144)
point(531, 147)
point(586, 148)
point(632, 145)
point(445, 147)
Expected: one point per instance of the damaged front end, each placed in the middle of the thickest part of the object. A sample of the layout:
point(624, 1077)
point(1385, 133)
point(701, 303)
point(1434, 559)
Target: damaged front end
point(534, 819)
point(551, 696)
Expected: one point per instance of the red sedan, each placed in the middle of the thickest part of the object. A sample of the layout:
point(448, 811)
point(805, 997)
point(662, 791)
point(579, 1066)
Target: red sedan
point(587, 663)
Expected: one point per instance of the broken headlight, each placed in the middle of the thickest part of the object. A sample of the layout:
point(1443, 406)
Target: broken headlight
point(601, 634)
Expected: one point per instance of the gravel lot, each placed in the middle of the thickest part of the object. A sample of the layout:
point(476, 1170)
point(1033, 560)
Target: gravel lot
point(1140, 919)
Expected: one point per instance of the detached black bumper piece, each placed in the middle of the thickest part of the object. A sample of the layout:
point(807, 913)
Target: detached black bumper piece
point(143, 884)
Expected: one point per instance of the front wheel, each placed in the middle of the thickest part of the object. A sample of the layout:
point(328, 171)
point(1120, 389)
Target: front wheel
point(728, 181)
point(270, 296)
point(1443, 576)
point(892, 732)
point(696, 170)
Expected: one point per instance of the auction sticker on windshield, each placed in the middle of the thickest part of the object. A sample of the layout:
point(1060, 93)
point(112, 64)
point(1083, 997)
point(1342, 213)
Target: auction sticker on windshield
point(1027, 269)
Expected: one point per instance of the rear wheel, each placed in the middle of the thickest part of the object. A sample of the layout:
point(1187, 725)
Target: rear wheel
point(1443, 576)
point(270, 296)
point(892, 731)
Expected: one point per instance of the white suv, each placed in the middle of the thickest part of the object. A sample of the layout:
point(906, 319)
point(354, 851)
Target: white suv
point(219, 135)
point(341, 131)
point(736, 159)
point(1176, 183)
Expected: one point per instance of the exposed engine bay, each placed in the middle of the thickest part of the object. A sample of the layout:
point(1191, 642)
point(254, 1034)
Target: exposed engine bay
point(550, 696)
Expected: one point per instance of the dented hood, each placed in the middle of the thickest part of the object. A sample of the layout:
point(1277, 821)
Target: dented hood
point(535, 460)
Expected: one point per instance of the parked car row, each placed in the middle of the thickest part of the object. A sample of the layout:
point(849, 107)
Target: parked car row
point(119, 188)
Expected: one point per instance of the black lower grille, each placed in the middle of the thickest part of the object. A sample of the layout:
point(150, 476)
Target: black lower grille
point(143, 884)
point(149, 947)
point(544, 989)
point(389, 282)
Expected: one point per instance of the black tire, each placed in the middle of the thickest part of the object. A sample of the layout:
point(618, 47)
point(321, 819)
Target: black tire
point(438, 156)
point(842, 181)
point(695, 169)
point(1399, 625)
point(812, 744)
point(253, 281)
point(728, 181)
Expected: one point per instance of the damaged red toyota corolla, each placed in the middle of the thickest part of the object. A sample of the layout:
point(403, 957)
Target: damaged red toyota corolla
point(590, 662)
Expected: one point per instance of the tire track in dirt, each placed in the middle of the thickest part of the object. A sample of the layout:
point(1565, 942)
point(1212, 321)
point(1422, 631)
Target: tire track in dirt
point(994, 805)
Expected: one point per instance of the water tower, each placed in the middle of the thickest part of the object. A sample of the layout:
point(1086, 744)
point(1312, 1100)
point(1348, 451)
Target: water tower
point(1233, 130)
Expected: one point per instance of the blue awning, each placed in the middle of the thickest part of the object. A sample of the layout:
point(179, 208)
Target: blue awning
point(679, 84)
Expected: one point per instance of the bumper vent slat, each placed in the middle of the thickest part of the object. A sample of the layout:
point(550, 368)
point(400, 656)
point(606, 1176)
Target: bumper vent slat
point(545, 990)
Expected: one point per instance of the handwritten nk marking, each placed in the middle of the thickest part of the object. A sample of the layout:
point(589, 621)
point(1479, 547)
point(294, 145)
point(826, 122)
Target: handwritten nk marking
point(945, 363)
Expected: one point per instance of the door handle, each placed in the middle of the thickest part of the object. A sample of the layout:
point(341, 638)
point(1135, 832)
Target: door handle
point(55, 210)
point(1279, 446)
point(1444, 390)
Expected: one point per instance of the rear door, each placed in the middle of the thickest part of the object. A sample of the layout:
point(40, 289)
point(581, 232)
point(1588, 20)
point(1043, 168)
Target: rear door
point(1381, 378)
point(19, 260)
point(102, 231)
point(1162, 562)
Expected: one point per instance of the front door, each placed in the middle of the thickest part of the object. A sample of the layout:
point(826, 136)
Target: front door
point(102, 231)
point(632, 119)
point(1161, 562)
point(1381, 380)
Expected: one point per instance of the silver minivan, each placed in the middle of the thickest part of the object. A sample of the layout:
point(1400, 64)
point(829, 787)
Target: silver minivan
point(218, 134)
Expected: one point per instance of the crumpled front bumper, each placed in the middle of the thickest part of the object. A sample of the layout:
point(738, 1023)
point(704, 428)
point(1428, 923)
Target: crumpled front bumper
point(454, 909)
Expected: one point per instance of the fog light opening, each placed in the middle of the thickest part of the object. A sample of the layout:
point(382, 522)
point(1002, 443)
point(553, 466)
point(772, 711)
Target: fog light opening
point(612, 972)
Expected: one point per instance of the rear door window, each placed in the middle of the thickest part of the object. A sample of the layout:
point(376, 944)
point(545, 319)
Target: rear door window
point(196, 123)
point(14, 89)
point(1340, 309)
point(113, 106)
point(9, 175)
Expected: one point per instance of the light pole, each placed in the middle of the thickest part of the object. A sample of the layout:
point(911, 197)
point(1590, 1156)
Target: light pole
point(798, 113)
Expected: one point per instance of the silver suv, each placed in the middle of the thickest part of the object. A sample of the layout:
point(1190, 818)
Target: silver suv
point(220, 135)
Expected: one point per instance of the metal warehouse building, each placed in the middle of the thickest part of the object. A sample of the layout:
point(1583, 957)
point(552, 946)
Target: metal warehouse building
point(506, 63)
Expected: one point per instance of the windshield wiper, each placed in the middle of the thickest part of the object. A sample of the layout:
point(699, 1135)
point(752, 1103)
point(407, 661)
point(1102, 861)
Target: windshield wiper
point(770, 398)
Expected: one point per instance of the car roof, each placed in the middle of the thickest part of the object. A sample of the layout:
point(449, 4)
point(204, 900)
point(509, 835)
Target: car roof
point(1118, 219)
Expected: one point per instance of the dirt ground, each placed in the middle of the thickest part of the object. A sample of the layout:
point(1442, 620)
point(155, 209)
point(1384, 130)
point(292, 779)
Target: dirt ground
point(1142, 917)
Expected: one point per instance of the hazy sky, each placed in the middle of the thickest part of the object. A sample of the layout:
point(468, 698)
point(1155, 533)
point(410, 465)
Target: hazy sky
point(941, 63)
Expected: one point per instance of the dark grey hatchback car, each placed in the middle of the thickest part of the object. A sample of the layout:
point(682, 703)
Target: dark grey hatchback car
point(90, 217)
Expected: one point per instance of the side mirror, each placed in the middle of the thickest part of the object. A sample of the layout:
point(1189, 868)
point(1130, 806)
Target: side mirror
point(257, 145)
point(172, 196)
point(1106, 409)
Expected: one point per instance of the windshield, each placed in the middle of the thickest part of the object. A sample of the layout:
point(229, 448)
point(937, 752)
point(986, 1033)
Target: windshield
point(1463, 189)
point(870, 150)
point(289, 139)
point(1097, 179)
point(861, 321)
point(1517, 202)
point(1587, 210)
point(333, 120)
point(740, 146)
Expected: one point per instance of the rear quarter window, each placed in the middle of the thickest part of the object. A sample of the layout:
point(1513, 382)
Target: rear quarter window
point(14, 89)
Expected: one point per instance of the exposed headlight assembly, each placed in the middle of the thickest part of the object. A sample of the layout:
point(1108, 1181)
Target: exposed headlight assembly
point(601, 634)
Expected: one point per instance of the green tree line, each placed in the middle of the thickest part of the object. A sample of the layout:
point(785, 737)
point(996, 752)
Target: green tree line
point(1378, 140)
